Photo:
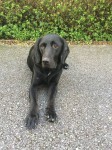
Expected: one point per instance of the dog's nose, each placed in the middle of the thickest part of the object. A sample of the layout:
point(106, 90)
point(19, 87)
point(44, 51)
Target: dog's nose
point(45, 61)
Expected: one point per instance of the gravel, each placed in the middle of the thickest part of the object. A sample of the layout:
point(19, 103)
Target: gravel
point(83, 102)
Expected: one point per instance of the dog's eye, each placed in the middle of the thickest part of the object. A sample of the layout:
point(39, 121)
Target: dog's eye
point(55, 46)
point(42, 46)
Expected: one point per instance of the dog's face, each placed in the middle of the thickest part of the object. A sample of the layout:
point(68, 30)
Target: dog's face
point(51, 50)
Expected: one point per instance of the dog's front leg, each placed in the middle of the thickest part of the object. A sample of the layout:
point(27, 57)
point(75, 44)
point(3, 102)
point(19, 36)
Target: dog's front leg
point(33, 116)
point(50, 110)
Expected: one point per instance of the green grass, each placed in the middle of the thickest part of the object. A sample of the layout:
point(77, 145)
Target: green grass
point(75, 20)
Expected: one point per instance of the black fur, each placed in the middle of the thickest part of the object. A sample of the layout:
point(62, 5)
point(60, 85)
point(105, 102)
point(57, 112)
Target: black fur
point(46, 60)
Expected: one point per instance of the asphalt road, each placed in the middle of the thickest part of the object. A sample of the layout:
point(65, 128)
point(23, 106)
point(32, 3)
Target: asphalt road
point(83, 102)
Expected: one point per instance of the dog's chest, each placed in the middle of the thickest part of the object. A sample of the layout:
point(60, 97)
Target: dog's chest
point(45, 77)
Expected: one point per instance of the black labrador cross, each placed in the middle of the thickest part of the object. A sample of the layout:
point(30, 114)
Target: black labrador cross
point(46, 60)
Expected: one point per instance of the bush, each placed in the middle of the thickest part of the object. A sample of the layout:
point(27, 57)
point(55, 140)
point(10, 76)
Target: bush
point(76, 20)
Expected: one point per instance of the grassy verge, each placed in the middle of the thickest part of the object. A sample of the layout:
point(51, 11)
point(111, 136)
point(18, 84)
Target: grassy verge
point(75, 20)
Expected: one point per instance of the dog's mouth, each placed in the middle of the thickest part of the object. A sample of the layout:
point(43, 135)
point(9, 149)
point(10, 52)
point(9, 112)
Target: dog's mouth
point(48, 71)
point(47, 66)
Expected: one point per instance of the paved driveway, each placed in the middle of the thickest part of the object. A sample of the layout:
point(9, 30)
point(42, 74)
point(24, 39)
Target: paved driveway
point(83, 102)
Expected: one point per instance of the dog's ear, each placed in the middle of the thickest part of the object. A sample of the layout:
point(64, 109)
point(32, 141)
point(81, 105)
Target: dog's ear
point(37, 54)
point(64, 54)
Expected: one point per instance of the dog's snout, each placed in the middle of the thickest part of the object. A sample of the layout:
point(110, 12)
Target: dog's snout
point(45, 61)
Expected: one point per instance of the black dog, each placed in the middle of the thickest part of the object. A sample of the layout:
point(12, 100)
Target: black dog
point(46, 60)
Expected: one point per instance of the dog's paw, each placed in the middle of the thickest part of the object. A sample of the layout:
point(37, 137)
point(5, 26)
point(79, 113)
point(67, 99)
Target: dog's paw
point(31, 121)
point(51, 115)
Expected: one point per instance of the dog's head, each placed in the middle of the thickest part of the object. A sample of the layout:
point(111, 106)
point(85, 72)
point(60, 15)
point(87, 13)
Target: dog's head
point(50, 51)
